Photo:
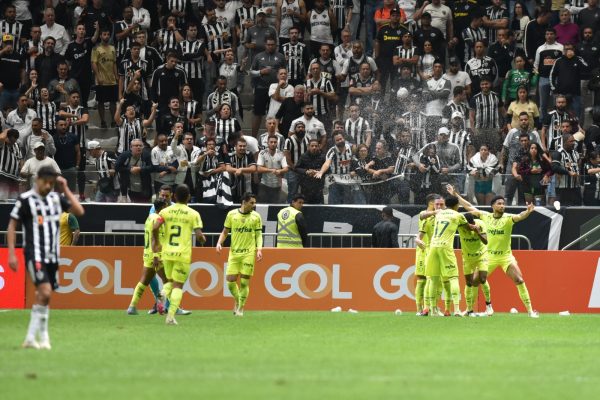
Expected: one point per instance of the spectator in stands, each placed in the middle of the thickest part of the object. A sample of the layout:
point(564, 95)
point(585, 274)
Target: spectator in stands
point(487, 116)
point(11, 67)
point(519, 21)
point(533, 171)
point(448, 155)
point(427, 32)
point(167, 81)
point(38, 135)
point(187, 155)
point(436, 91)
point(164, 161)
point(257, 35)
point(307, 168)
point(426, 178)
point(591, 190)
point(79, 56)
point(535, 32)
point(62, 86)
point(457, 77)
point(522, 104)
point(338, 161)
point(227, 127)
point(272, 165)
point(240, 165)
point(365, 90)
point(47, 63)
point(57, 32)
point(389, 38)
point(470, 35)
point(566, 167)
point(220, 96)
point(278, 92)
point(271, 131)
point(481, 66)
point(210, 165)
point(517, 77)
point(20, 119)
point(404, 166)
point(172, 116)
point(380, 170)
point(589, 50)
point(11, 161)
point(482, 167)
point(68, 152)
point(314, 128)
point(130, 125)
point(291, 109)
point(31, 89)
point(134, 168)
point(545, 57)
point(104, 64)
point(567, 32)
point(320, 92)
point(566, 75)
point(107, 186)
point(551, 134)
point(33, 165)
point(295, 146)
point(296, 56)
point(96, 14)
point(357, 128)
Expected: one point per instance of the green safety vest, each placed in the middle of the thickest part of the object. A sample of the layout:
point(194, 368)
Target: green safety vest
point(288, 235)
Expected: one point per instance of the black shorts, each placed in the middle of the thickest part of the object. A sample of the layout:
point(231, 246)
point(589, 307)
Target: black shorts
point(108, 94)
point(43, 273)
point(261, 101)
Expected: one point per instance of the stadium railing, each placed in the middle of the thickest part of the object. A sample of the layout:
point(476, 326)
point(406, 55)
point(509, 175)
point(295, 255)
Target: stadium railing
point(317, 240)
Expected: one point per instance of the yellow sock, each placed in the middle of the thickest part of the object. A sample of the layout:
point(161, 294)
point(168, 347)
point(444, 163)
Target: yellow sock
point(524, 295)
point(244, 291)
point(234, 290)
point(454, 294)
point(434, 286)
point(137, 294)
point(176, 295)
point(485, 288)
point(447, 295)
point(469, 297)
point(419, 294)
point(167, 288)
point(427, 293)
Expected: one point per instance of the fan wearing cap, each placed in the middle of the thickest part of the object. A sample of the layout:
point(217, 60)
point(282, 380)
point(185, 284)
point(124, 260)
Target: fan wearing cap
point(33, 165)
point(385, 232)
point(11, 66)
point(389, 37)
point(258, 33)
point(429, 33)
point(107, 188)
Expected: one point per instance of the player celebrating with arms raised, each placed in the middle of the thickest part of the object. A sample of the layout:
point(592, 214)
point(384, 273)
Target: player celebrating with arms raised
point(499, 231)
point(422, 242)
point(245, 226)
point(180, 222)
point(38, 211)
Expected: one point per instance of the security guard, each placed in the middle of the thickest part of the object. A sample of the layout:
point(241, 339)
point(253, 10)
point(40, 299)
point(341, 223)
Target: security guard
point(291, 227)
point(385, 232)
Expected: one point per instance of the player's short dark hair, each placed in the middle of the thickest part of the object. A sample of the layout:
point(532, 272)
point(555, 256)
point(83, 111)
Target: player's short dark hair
point(167, 188)
point(431, 197)
point(496, 198)
point(12, 133)
point(470, 218)
point(159, 204)
point(182, 193)
point(298, 196)
point(247, 197)
point(451, 201)
point(47, 172)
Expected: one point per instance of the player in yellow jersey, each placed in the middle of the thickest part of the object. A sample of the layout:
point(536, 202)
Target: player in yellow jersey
point(179, 221)
point(474, 255)
point(422, 242)
point(499, 231)
point(245, 226)
point(441, 262)
point(152, 261)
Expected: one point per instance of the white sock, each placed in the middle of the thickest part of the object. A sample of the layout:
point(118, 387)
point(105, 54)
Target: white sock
point(43, 315)
point(34, 323)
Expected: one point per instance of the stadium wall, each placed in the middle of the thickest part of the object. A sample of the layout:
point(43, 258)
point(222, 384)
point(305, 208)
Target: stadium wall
point(545, 227)
point(315, 279)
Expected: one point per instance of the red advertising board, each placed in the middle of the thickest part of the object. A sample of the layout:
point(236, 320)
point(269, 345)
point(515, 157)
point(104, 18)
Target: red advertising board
point(12, 284)
point(320, 279)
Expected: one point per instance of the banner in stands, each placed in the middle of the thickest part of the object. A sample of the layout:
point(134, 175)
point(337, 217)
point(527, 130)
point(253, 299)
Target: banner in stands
point(543, 227)
point(319, 279)
point(12, 284)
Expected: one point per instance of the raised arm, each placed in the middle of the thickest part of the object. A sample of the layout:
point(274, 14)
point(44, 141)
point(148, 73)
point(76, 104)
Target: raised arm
point(466, 205)
point(524, 214)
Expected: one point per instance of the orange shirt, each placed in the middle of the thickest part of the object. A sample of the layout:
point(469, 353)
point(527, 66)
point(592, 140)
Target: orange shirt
point(384, 13)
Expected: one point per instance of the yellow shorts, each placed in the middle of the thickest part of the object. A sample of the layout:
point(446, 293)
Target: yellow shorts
point(176, 270)
point(441, 262)
point(241, 264)
point(503, 263)
point(420, 261)
point(148, 263)
point(472, 264)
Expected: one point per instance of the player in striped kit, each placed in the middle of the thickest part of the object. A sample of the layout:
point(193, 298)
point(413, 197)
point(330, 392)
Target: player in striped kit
point(193, 52)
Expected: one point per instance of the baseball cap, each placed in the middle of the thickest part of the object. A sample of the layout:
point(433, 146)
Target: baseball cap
point(93, 145)
point(443, 131)
point(7, 37)
point(395, 10)
point(260, 11)
point(38, 145)
point(457, 114)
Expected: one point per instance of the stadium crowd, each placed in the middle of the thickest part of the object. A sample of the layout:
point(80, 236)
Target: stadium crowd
point(362, 102)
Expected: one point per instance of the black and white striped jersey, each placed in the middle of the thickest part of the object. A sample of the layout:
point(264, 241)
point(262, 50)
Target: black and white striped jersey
point(263, 140)
point(166, 41)
point(486, 110)
point(226, 128)
point(127, 69)
point(105, 163)
point(462, 139)
point(569, 161)
point(214, 36)
point(192, 57)
point(404, 52)
point(47, 112)
point(78, 130)
point(296, 57)
point(40, 218)
point(191, 109)
point(552, 123)
point(30, 59)
point(242, 15)
point(10, 155)
point(340, 10)
point(417, 124)
point(469, 37)
point(168, 6)
point(356, 130)
point(128, 130)
point(296, 147)
point(404, 157)
point(340, 160)
point(319, 102)
point(494, 14)
point(15, 29)
point(122, 45)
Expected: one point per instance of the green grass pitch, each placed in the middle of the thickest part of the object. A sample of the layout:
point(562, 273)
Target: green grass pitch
point(302, 355)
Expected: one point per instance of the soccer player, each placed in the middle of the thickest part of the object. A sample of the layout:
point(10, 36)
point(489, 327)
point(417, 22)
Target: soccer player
point(245, 226)
point(422, 242)
point(473, 245)
point(38, 211)
point(441, 264)
point(152, 261)
point(180, 222)
point(499, 230)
